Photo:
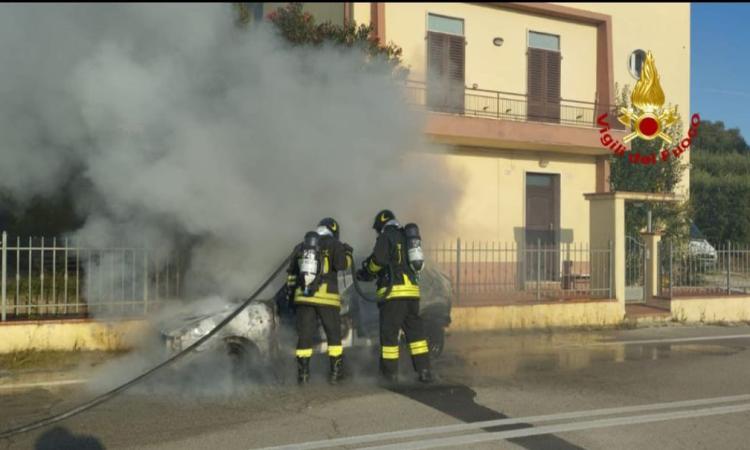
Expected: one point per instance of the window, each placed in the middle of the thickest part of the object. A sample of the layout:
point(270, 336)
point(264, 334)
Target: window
point(446, 64)
point(635, 63)
point(544, 41)
point(543, 77)
point(442, 24)
point(538, 180)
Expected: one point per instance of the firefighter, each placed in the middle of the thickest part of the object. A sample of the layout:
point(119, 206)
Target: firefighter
point(400, 308)
point(319, 299)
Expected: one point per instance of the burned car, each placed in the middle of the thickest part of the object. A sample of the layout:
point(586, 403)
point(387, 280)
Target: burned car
point(254, 337)
point(249, 339)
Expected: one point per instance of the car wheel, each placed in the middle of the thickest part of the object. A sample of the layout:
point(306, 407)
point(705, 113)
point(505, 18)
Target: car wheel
point(244, 357)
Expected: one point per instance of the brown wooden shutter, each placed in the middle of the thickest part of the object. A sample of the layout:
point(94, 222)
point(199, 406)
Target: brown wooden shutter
point(456, 72)
point(535, 81)
point(553, 86)
point(543, 85)
point(446, 72)
point(436, 90)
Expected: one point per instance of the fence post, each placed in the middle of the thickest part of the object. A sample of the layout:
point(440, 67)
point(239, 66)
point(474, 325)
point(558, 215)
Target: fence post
point(3, 277)
point(538, 267)
point(145, 281)
point(458, 270)
point(729, 267)
point(671, 268)
point(611, 267)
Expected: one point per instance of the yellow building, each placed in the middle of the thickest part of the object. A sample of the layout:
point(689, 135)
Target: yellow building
point(515, 89)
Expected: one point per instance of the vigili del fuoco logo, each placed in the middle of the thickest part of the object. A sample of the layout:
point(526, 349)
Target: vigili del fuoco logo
point(648, 119)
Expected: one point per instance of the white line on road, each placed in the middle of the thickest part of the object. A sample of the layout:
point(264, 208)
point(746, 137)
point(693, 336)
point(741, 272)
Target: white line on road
point(671, 340)
point(565, 427)
point(416, 432)
point(41, 384)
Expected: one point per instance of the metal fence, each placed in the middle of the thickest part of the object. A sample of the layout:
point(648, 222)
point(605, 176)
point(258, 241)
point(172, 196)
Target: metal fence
point(49, 278)
point(690, 271)
point(56, 278)
point(502, 273)
point(507, 106)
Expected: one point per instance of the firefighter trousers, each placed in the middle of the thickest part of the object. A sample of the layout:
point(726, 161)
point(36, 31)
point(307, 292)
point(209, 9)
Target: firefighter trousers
point(307, 328)
point(395, 315)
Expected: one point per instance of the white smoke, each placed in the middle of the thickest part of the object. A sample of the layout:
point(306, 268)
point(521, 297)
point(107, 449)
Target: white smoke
point(184, 127)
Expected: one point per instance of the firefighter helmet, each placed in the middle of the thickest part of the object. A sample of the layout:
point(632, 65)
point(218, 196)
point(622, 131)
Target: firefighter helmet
point(382, 218)
point(331, 224)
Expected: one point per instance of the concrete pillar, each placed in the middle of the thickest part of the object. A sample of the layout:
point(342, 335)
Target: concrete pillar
point(651, 270)
point(607, 227)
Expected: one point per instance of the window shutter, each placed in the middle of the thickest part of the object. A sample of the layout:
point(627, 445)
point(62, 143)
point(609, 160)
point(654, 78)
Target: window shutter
point(543, 76)
point(535, 83)
point(436, 73)
point(456, 72)
point(553, 86)
point(446, 55)
point(435, 45)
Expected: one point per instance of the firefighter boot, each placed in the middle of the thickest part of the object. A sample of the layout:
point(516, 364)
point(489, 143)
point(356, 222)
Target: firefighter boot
point(388, 373)
point(337, 369)
point(303, 370)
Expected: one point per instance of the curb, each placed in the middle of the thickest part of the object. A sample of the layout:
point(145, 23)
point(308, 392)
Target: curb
point(31, 380)
point(41, 384)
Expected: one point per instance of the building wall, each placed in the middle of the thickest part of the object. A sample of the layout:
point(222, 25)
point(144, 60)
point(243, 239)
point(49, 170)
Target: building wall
point(361, 12)
point(493, 207)
point(663, 28)
point(497, 68)
point(494, 204)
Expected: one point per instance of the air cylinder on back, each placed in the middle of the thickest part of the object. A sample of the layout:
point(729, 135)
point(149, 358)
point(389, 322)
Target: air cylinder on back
point(414, 251)
point(309, 263)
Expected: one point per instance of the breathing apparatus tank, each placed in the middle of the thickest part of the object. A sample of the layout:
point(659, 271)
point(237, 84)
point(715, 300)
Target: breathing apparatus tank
point(309, 262)
point(414, 252)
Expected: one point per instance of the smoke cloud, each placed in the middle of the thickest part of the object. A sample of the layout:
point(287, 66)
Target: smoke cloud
point(187, 131)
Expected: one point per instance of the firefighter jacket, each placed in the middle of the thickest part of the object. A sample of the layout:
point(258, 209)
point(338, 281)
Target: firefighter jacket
point(389, 259)
point(334, 256)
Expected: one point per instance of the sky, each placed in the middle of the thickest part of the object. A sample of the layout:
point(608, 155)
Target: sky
point(719, 89)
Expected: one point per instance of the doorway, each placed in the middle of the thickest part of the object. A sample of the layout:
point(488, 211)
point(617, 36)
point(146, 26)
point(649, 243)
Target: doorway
point(542, 226)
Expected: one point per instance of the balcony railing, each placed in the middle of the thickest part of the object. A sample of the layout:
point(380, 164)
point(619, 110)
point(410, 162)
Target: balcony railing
point(505, 105)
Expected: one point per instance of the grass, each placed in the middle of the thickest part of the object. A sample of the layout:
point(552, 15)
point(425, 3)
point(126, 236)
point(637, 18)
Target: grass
point(53, 360)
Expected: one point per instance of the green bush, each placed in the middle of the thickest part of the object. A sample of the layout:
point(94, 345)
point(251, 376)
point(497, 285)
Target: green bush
point(722, 204)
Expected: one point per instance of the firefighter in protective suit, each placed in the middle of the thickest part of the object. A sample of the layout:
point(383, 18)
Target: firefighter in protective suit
point(400, 308)
point(321, 301)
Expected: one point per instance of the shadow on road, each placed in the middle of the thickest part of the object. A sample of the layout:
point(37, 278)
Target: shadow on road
point(60, 438)
point(457, 401)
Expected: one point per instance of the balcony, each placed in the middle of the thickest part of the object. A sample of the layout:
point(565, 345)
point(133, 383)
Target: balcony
point(486, 118)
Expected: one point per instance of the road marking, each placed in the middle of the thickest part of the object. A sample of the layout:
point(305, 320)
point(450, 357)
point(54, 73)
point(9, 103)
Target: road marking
point(565, 427)
point(41, 384)
point(670, 340)
point(417, 432)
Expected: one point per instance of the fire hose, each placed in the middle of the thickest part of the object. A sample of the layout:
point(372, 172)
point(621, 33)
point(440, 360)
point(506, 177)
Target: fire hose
point(108, 395)
point(366, 297)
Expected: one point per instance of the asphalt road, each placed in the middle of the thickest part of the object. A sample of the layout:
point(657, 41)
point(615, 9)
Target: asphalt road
point(667, 388)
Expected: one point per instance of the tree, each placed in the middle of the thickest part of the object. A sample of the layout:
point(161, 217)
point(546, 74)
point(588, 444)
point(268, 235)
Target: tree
point(299, 28)
point(664, 176)
point(714, 138)
point(720, 183)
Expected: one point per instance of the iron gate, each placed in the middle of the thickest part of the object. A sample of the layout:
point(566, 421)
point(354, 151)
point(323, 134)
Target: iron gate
point(635, 264)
